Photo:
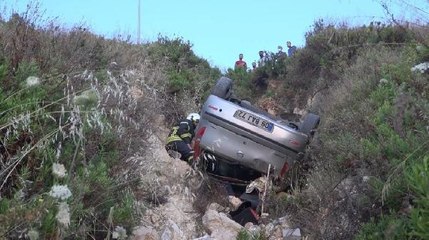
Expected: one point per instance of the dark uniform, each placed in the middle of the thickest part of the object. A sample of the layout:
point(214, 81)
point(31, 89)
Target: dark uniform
point(180, 139)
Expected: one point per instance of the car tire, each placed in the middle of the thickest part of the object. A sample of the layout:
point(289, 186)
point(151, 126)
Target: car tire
point(223, 88)
point(310, 123)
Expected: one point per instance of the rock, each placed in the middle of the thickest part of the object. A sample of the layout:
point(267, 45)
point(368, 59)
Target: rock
point(219, 226)
point(205, 237)
point(299, 111)
point(292, 234)
point(216, 207)
point(277, 234)
point(235, 202)
point(172, 232)
point(155, 218)
point(136, 93)
point(249, 225)
point(269, 229)
point(252, 228)
point(144, 233)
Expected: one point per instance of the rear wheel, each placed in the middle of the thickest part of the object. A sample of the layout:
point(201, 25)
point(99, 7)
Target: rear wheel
point(223, 88)
point(310, 123)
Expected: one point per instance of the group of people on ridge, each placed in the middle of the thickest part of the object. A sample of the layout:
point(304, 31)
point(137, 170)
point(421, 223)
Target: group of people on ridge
point(264, 57)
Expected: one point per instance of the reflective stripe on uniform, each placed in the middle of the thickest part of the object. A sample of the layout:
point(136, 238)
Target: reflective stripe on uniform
point(185, 135)
point(173, 138)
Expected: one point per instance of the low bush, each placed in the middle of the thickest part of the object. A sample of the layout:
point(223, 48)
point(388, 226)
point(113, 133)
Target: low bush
point(371, 128)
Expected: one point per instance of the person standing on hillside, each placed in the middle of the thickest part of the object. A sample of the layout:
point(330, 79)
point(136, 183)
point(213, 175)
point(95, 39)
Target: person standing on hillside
point(262, 58)
point(280, 54)
point(291, 49)
point(240, 63)
point(253, 66)
point(280, 60)
point(180, 138)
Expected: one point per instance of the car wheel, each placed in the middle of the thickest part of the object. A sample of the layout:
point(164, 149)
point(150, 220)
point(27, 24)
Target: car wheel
point(310, 123)
point(223, 88)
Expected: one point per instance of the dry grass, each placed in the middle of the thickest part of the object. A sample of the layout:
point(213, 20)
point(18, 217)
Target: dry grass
point(103, 100)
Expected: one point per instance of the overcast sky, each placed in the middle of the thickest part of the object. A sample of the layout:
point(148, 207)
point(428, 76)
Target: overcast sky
point(219, 30)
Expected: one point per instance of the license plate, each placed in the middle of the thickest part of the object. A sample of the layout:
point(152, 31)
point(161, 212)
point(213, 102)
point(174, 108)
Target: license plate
point(254, 120)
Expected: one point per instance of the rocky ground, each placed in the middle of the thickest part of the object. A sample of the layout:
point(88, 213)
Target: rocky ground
point(173, 188)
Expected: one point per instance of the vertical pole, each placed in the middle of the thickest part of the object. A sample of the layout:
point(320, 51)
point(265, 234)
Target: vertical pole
point(138, 24)
point(263, 215)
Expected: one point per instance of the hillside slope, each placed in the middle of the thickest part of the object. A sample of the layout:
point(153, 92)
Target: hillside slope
point(83, 119)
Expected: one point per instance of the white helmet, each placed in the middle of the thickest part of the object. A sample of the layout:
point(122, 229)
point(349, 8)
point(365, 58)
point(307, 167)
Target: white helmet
point(195, 117)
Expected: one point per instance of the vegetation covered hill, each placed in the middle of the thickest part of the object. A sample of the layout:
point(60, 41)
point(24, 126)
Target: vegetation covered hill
point(74, 107)
point(369, 163)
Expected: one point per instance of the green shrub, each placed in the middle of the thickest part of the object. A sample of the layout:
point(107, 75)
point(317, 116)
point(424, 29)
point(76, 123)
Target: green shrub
point(25, 70)
point(99, 175)
point(370, 148)
point(242, 85)
point(124, 211)
point(3, 71)
point(44, 124)
point(371, 108)
point(389, 227)
point(4, 205)
point(422, 52)
point(398, 141)
point(259, 79)
point(87, 100)
point(49, 224)
point(173, 49)
point(411, 224)
point(418, 181)
point(180, 80)
point(246, 235)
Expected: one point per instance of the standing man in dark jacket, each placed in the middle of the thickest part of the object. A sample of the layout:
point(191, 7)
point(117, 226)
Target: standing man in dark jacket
point(180, 137)
point(291, 49)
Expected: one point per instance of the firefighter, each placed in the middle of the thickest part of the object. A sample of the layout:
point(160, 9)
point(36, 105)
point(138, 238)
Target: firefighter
point(180, 137)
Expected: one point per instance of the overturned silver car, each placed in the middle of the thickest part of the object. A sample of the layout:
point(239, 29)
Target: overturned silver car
point(238, 142)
